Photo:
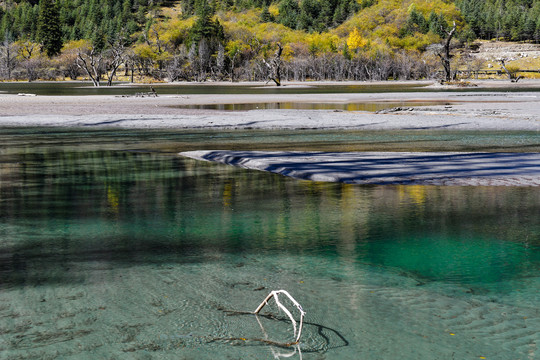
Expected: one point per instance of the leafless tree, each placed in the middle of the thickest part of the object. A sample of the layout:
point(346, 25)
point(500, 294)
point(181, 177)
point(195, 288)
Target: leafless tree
point(8, 57)
point(205, 55)
point(114, 57)
point(130, 60)
point(233, 56)
point(91, 62)
point(220, 62)
point(29, 62)
point(274, 66)
point(511, 73)
point(443, 52)
point(175, 67)
point(32, 68)
point(406, 66)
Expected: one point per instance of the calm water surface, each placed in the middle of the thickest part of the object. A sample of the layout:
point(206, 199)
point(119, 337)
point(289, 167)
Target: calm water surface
point(111, 246)
point(86, 88)
point(363, 106)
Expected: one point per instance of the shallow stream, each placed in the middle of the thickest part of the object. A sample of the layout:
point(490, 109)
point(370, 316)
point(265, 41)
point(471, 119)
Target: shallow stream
point(112, 246)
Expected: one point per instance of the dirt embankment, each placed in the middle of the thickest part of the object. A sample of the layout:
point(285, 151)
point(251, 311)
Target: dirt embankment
point(507, 50)
point(525, 56)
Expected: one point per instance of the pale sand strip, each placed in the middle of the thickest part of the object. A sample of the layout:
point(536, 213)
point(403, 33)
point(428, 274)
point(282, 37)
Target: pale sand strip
point(430, 168)
point(466, 111)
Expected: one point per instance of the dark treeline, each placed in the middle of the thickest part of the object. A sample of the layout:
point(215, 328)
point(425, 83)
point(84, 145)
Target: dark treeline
point(309, 15)
point(86, 19)
point(104, 39)
point(515, 20)
point(79, 19)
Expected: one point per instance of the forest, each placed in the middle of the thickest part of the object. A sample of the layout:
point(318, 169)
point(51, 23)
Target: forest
point(200, 40)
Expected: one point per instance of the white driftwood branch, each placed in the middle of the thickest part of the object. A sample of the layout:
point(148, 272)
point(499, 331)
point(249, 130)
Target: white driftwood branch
point(275, 352)
point(274, 294)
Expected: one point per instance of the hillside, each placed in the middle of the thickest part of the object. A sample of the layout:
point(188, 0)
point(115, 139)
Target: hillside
point(235, 39)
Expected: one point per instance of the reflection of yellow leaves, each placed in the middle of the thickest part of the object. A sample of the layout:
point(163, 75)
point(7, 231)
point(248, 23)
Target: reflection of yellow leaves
point(227, 195)
point(416, 193)
point(113, 200)
point(351, 107)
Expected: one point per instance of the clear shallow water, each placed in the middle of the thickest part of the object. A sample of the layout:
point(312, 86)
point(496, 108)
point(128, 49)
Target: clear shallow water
point(112, 246)
point(374, 106)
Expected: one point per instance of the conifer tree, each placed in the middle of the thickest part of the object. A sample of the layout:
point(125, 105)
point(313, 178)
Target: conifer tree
point(288, 13)
point(49, 27)
point(266, 16)
point(308, 18)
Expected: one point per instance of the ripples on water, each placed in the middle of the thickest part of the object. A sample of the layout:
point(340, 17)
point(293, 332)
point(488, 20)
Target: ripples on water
point(113, 246)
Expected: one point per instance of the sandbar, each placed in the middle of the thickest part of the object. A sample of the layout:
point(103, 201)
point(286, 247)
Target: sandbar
point(389, 168)
point(461, 110)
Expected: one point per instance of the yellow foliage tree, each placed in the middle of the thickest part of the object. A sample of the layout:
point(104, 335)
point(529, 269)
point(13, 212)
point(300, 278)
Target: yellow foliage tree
point(27, 50)
point(176, 31)
point(355, 40)
point(30, 58)
point(76, 45)
point(384, 19)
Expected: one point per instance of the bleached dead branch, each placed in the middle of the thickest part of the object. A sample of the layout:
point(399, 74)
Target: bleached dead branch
point(275, 352)
point(274, 294)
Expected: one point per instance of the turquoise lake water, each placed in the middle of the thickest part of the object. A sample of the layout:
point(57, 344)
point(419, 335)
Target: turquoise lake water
point(113, 246)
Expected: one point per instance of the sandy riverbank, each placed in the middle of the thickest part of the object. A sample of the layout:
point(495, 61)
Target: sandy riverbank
point(457, 110)
point(406, 168)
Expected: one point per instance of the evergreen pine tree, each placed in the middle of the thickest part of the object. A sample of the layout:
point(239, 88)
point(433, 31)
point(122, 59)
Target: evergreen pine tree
point(288, 13)
point(205, 27)
point(266, 16)
point(437, 24)
point(327, 12)
point(341, 13)
point(49, 27)
point(308, 18)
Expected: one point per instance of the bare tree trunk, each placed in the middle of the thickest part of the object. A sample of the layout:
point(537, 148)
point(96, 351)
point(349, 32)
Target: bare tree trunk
point(274, 66)
point(511, 76)
point(233, 64)
point(116, 58)
point(91, 64)
point(8, 57)
point(445, 55)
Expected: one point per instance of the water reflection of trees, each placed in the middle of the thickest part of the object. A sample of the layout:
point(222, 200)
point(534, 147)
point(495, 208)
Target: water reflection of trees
point(96, 183)
point(128, 203)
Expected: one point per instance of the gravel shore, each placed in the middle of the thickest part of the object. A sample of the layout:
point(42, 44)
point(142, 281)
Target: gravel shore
point(456, 110)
